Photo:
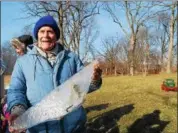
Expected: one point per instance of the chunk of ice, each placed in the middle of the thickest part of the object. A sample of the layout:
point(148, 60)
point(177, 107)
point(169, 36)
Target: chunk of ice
point(61, 101)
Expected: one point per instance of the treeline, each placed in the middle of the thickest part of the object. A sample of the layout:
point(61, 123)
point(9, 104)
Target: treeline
point(9, 57)
point(147, 46)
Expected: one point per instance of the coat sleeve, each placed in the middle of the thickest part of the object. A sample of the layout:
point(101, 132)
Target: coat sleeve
point(95, 85)
point(16, 94)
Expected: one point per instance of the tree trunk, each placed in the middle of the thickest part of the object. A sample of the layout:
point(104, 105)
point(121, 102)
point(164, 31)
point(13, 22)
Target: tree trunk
point(146, 66)
point(115, 70)
point(162, 62)
point(132, 67)
point(61, 22)
point(132, 50)
point(170, 49)
point(106, 71)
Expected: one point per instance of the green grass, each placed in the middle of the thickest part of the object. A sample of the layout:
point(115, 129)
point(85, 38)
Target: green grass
point(123, 100)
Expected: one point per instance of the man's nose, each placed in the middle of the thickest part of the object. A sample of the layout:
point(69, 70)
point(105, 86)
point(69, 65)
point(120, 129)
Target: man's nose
point(45, 34)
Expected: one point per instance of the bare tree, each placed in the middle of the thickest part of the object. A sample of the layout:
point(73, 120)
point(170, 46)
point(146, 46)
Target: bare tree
point(171, 30)
point(27, 30)
point(73, 18)
point(81, 15)
point(167, 20)
point(142, 50)
point(137, 14)
point(89, 36)
point(122, 56)
point(9, 57)
point(160, 35)
point(110, 52)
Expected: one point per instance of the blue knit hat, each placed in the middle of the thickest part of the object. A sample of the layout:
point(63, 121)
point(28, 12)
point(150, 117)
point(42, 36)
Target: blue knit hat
point(46, 21)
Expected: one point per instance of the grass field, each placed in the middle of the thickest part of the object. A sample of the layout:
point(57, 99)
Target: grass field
point(135, 104)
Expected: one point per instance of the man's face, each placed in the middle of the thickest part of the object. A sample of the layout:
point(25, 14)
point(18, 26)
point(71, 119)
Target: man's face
point(46, 38)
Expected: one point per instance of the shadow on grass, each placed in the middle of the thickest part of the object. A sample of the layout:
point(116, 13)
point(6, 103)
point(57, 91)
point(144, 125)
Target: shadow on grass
point(107, 122)
point(96, 107)
point(149, 123)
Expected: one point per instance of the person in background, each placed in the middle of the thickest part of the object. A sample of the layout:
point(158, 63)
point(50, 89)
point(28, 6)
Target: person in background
point(22, 44)
point(40, 71)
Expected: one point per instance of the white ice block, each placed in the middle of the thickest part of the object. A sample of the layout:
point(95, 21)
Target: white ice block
point(61, 101)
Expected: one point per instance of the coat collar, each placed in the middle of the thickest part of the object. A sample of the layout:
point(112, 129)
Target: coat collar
point(34, 50)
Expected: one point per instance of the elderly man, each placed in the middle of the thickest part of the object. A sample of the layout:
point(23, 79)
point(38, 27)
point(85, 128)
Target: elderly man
point(40, 71)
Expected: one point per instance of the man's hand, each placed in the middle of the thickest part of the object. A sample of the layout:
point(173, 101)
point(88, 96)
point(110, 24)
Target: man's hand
point(97, 72)
point(96, 79)
point(11, 119)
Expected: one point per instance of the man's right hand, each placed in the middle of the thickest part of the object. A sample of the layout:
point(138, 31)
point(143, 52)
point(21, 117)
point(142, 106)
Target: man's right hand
point(16, 111)
point(11, 119)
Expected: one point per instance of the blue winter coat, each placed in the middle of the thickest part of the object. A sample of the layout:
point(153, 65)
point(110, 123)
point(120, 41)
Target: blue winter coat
point(33, 78)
